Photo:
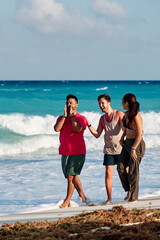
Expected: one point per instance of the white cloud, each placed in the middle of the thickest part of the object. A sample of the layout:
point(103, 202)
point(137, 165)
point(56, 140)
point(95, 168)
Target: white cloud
point(49, 16)
point(45, 15)
point(109, 9)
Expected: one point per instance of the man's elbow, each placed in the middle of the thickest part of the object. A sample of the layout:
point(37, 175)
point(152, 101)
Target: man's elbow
point(77, 130)
point(96, 136)
point(55, 129)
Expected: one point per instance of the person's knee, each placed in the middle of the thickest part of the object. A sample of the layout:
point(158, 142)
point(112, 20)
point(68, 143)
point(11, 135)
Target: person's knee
point(120, 167)
point(70, 178)
point(109, 173)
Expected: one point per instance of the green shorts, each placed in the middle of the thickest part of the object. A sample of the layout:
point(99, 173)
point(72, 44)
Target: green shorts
point(72, 165)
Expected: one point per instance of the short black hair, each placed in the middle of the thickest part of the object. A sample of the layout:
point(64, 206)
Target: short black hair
point(105, 96)
point(72, 96)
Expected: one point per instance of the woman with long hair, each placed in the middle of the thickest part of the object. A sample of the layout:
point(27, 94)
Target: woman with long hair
point(133, 147)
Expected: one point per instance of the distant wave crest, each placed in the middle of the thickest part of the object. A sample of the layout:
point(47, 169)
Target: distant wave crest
point(101, 89)
point(21, 134)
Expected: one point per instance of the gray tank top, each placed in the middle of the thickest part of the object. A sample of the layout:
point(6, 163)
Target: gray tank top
point(112, 136)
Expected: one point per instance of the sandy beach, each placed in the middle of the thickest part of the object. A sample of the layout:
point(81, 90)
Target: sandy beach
point(55, 214)
point(119, 220)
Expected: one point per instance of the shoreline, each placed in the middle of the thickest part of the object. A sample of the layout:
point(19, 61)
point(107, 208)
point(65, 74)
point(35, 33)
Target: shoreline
point(133, 221)
point(55, 214)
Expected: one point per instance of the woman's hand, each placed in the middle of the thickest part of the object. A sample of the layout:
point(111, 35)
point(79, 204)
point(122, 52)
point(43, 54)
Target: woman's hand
point(133, 154)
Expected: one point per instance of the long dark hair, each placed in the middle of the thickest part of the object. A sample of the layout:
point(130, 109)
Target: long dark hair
point(133, 106)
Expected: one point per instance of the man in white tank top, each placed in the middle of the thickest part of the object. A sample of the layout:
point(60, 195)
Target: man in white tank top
point(111, 123)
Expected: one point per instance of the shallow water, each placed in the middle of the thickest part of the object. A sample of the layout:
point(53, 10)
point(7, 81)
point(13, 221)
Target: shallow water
point(31, 175)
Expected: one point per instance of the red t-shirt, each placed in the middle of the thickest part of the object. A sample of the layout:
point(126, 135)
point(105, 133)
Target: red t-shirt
point(71, 142)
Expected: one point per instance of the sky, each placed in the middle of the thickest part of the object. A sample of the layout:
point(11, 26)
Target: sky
point(79, 40)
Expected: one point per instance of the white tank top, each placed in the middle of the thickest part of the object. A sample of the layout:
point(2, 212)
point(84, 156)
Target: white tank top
point(112, 136)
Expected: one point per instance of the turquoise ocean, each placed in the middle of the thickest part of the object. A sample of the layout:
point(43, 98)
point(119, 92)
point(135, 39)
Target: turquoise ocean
point(30, 177)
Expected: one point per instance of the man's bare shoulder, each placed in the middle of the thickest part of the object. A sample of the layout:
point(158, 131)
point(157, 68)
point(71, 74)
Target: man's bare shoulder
point(101, 120)
point(119, 113)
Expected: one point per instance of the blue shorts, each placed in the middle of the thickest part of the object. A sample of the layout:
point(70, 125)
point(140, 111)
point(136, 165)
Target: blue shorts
point(110, 159)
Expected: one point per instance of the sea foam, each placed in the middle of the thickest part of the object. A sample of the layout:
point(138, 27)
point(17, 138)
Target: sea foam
point(28, 133)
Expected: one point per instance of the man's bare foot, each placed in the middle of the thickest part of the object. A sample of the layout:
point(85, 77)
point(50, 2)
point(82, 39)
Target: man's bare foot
point(64, 205)
point(107, 202)
point(128, 195)
point(85, 200)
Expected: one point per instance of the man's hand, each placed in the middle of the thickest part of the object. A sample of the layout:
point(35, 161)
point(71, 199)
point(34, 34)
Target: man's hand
point(72, 112)
point(65, 111)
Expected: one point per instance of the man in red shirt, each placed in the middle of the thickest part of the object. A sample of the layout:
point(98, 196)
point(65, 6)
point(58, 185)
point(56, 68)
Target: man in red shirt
point(72, 147)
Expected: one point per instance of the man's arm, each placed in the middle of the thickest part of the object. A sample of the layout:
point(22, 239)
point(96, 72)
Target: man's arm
point(58, 126)
point(76, 126)
point(120, 116)
point(96, 133)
